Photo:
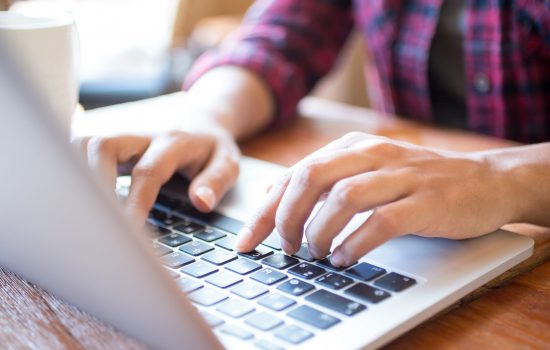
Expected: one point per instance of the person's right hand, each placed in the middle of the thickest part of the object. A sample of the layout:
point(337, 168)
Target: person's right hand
point(208, 159)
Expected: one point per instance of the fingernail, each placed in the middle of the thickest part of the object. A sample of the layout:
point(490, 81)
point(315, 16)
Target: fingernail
point(207, 196)
point(287, 247)
point(313, 252)
point(243, 237)
point(337, 258)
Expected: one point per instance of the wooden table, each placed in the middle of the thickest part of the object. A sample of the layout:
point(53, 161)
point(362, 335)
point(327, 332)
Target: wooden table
point(512, 311)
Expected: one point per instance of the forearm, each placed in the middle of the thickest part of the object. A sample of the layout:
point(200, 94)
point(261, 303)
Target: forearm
point(236, 98)
point(526, 172)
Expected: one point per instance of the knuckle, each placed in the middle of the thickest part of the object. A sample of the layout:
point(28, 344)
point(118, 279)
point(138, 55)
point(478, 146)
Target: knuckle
point(386, 221)
point(230, 160)
point(346, 193)
point(384, 147)
point(230, 147)
point(145, 171)
point(174, 134)
point(354, 135)
point(222, 176)
point(279, 186)
point(283, 225)
point(174, 138)
point(307, 174)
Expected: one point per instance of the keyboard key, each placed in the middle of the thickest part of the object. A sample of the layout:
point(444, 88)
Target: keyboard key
point(395, 282)
point(174, 239)
point(224, 279)
point(207, 296)
point(307, 271)
point(160, 249)
point(326, 263)
point(243, 266)
point(167, 201)
point(280, 261)
point(219, 257)
point(227, 242)
point(176, 260)
point(365, 272)
point(249, 290)
point(212, 320)
point(188, 285)
point(334, 281)
point(189, 227)
point(196, 248)
point(273, 241)
point(268, 276)
point(276, 302)
point(163, 217)
point(303, 253)
point(367, 293)
point(313, 317)
point(335, 302)
point(259, 253)
point(199, 269)
point(209, 235)
point(237, 332)
point(158, 230)
point(235, 308)
point(212, 218)
point(264, 321)
point(295, 287)
point(265, 344)
point(293, 334)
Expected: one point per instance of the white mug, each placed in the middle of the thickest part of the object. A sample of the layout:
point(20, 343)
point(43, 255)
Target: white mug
point(46, 49)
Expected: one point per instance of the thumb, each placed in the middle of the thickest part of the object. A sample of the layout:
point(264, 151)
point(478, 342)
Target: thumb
point(210, 185)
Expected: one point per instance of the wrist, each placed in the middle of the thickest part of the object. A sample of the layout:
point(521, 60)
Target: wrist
point(238, 99)
point(506, 177)
point(206, 118)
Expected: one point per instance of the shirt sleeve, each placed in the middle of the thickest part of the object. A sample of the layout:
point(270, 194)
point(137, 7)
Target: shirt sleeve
point(534, 16)
point(290, 44)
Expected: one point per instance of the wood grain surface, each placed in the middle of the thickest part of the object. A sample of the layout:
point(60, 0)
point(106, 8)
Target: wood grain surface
point(511, 312)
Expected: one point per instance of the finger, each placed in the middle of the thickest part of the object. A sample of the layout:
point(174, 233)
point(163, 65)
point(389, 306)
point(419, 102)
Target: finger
point(351, 196)
point(220, 173)
point(308, 183)
point(105, 153)
point(262, 223)
point(389, 221)
point(157, 165)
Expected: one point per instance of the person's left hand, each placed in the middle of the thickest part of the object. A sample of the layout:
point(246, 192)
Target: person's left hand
point(412, 189)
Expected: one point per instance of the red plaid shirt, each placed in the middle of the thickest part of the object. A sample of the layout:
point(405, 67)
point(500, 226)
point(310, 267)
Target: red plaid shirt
point(292, 43)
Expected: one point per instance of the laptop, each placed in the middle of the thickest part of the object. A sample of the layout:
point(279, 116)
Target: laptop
point(178, 284)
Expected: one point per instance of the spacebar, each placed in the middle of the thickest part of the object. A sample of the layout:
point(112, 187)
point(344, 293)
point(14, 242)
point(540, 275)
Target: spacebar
point(335, 302)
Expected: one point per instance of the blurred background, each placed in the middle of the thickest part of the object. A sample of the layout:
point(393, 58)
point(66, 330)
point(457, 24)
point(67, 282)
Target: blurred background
point(136, 49)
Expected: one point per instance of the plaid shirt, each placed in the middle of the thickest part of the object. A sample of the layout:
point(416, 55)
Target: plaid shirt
point(292, 43)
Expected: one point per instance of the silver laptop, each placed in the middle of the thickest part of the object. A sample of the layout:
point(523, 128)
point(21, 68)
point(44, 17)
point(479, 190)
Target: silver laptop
point(179, 284)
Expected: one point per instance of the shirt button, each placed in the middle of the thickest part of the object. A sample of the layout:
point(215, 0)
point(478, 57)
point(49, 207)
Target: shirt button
point(482, 84)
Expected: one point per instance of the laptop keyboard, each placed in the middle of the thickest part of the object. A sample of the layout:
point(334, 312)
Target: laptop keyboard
point(266, 287)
